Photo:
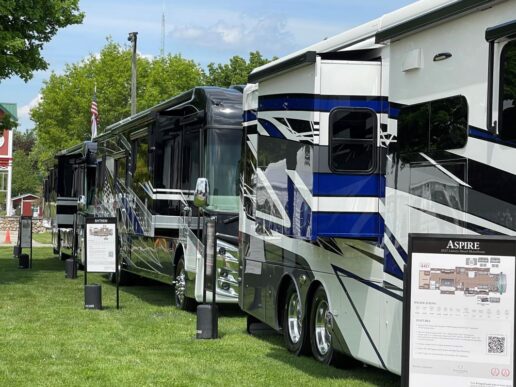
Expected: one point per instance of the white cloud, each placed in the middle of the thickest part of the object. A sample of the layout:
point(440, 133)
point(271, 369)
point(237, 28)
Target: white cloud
point(24, 111)
point(266, 34)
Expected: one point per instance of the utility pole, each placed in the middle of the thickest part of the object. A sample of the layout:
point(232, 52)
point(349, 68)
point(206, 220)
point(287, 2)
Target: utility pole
point(132, 38)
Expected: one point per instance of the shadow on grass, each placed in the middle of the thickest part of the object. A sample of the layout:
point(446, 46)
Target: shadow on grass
point(11, 273)
point(346, 367)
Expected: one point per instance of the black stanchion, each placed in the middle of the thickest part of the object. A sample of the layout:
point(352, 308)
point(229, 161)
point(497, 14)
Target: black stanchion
point(71, 268)
point(24, 241)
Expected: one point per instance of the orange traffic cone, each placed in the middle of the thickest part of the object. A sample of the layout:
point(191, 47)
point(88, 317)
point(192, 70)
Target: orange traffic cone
point(7, 237)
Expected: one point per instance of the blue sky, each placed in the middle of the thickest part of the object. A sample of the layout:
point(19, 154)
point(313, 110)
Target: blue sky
point(205, 31)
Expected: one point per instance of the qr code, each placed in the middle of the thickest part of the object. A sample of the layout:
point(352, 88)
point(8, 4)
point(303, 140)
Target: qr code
point(496, 345)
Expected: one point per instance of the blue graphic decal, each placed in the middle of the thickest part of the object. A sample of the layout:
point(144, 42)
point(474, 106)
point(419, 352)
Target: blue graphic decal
point(348, 225)
point(310, 102)
point(271, 129)
point(328, 184)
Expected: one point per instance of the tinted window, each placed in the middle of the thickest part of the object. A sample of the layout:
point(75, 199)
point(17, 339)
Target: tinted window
point(508, 92)
point(191, 160)
point(352, 134)
point(141, 167)
point(437, 125)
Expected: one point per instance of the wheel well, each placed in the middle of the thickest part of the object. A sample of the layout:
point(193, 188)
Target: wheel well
point(282, 290)
point(179, 253)
point(310, 295)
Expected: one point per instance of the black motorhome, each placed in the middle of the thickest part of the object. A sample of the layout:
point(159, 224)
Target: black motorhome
point(149, 165)
point(69, 194)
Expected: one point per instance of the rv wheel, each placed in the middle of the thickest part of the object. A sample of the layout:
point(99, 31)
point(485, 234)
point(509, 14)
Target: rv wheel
point(320, 328)
point(294, 323)
point(182, 301)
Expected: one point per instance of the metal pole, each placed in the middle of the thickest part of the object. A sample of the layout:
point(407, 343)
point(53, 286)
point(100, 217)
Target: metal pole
point(133, 38)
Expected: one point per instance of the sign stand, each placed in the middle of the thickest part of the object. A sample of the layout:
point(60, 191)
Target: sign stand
point(207, 314)
point(459, 311)
point(24, 241)
point(101, 256)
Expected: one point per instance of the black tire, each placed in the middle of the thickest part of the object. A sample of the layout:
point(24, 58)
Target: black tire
point(182, 302)
point(321, 340)
point(294, 331)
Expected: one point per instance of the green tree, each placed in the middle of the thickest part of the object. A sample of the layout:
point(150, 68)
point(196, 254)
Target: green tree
point(63, 117)
point(236, 71)
point(26, 178)
point(24, 140)
point(25, 26)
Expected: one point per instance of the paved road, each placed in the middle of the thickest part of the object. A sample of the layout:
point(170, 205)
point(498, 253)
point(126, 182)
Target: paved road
point(13, 241)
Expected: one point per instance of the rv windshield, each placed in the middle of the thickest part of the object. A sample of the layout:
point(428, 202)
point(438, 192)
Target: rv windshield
point(222, 164)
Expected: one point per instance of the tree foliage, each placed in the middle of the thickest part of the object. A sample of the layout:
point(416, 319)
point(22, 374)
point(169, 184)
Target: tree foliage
point(26, 178)
point(236, 71)
point(25, 26)
point(63, 116)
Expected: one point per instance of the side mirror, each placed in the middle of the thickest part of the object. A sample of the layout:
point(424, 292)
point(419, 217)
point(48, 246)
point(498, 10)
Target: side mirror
point(81, 203)
point(202, 190)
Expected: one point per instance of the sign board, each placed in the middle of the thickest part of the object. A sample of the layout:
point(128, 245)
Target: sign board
point(101, 245)
point(459, 311)
point(26, 232)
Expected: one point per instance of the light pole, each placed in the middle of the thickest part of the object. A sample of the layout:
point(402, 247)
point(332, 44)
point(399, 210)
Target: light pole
point(132, 38)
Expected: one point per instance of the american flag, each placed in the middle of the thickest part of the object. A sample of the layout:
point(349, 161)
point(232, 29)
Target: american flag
point(94, 114)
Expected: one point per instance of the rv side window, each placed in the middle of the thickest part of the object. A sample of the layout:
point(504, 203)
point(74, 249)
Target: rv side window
point(352, 140)
point(431, 126)
point(191, 160)
point(508, 92)
point(141, 167)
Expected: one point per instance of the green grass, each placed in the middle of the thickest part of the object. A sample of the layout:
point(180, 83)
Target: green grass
point(48, 338)
point(43, 237)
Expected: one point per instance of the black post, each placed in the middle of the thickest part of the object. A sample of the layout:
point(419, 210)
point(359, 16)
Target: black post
point(30, 261)
point(117, 268)
point(205, 266)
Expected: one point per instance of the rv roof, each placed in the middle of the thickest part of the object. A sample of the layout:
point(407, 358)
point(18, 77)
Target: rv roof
point(79, 149)
point(147, 116)
point(413, 17)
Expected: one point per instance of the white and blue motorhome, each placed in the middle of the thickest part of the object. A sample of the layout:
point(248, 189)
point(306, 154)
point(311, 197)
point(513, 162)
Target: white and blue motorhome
point(405, 124)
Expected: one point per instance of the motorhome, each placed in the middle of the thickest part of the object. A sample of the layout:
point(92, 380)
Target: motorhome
point(148, 167)
point(405, 124)
point(68, 195)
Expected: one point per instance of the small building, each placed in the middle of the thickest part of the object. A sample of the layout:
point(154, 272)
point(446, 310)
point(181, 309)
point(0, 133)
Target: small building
point(27, 205)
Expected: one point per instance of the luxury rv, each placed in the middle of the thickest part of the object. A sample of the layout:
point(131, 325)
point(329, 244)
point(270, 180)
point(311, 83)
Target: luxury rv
point(148, 168)
point(68, 194)
point(405, 124)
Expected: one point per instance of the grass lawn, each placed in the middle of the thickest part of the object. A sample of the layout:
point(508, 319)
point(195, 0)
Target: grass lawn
point(43, 237)
point(49, 339)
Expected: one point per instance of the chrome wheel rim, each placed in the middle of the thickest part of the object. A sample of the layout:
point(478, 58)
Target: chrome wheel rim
point(322, 333)
point(180, 287)
point(294, 318)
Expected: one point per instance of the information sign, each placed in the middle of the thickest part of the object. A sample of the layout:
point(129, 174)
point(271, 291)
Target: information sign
point(26, 232)
point(459, 311)
point(101, 245)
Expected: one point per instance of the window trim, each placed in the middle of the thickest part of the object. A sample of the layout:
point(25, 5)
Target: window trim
point(501, 74)
point(374, 140)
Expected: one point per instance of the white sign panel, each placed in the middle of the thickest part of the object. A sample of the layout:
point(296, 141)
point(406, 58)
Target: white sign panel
point(101, 247)
point(462, 313)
